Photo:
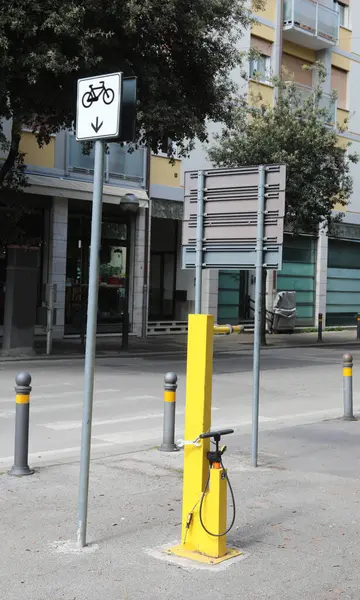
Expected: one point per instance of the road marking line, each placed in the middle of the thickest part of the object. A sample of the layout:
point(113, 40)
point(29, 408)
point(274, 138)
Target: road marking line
point(8, 413)
point(51, 385)
point(35, 396)
point(134, 436)
point(131, 437)
point(66, 425)
point(49, 453)
point(5, 414)
point(334, 412)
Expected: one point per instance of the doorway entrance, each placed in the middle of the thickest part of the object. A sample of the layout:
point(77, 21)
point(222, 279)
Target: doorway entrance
point(113, 274)
point(233, 299)
point(162, 286)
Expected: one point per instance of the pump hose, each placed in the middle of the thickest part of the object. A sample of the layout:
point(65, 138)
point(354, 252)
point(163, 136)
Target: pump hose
point(202, 501)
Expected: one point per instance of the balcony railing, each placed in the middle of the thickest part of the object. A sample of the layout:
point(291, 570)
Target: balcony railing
point(317, 22)
point(326, 101)
point(120, 165)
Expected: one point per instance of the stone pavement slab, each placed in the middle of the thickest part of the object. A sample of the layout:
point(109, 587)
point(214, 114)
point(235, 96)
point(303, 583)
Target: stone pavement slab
point(297, 521)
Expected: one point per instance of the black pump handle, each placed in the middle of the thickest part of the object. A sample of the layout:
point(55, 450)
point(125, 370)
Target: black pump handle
point(216, 434)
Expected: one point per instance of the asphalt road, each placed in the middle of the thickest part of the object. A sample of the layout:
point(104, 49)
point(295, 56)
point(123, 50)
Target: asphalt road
point(298, 386)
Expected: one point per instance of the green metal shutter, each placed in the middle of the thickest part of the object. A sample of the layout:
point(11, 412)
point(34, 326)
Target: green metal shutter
point(343, 282)
point(298, 274)
point(232, 296)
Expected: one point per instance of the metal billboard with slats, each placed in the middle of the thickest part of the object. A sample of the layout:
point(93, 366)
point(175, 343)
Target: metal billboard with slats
point(231, 215)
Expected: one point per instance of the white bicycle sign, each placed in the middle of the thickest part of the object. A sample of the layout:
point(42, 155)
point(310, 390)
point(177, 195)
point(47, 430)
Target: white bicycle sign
point(95, 93)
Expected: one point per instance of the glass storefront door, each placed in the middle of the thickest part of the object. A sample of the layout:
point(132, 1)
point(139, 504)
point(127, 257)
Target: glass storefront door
point(113, 275)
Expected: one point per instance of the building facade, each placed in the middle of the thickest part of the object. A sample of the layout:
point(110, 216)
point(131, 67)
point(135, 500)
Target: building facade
point(323, 270)
point(141, 246)
point(59, 195)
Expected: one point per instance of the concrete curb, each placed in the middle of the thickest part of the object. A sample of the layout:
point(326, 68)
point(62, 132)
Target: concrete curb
point(149, 353)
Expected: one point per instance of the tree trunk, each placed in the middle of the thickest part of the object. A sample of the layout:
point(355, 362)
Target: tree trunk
point(9, 163)
point(263, 309)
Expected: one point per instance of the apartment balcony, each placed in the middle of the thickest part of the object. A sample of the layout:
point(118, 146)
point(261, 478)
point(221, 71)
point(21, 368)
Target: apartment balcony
point(121, 167)
point(310, 24)
point(326, 101)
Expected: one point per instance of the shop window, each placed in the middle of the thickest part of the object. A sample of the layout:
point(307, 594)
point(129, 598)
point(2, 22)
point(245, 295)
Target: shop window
point(113, 274)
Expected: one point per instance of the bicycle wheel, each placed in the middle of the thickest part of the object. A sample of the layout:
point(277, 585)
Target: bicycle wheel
point(108, 96)
point(87, 100)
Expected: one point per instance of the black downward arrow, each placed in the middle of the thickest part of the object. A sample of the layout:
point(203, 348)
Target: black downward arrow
point(97, 127)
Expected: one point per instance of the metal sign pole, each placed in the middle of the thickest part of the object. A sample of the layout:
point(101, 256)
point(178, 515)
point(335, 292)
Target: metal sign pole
point(199, 242)
point(90, 341)
point(258, 311)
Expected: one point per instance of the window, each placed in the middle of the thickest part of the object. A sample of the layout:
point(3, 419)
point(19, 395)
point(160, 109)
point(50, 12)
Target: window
point(339, 82)
point(166, 146)
point(343, 11)
point(119, 163)
point(260, 68)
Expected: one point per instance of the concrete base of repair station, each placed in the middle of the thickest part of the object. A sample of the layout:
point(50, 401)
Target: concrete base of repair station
point(176, 554)
point(202, 558)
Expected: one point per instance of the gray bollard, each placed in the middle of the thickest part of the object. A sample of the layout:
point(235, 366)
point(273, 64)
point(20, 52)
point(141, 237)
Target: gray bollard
point(348, 387)
point(22, 390)
point(170, 386)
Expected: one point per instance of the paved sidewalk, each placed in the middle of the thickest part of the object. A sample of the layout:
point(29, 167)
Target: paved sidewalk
point(297, 522)
point(165, 344)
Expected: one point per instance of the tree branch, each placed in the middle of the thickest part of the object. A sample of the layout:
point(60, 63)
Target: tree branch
point(13, 150)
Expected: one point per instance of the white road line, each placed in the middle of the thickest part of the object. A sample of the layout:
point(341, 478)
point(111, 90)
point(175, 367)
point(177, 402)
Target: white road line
point(51, 385)
point(66, 425)
point(296, 418)
point(149, 435)
point(132, 437)
point(35, 397)
point(6, 414)
point(53, 453)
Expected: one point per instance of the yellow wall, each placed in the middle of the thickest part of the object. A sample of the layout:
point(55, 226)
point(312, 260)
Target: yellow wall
point(340, 208)
point(342, 115)
point(39, 157)
point(162, 172)
point(341, 62)
point(299, 51)
point(263, 31)
point(269, 12)
point(345, 39)
point(343, 142)
point(266, 91)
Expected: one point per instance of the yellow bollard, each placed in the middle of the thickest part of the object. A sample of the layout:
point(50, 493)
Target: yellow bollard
point(196, 543)
point(228, 329)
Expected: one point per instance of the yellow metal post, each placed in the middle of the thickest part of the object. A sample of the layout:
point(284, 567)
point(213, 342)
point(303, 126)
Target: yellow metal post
point(196, 543)
point(197, 421)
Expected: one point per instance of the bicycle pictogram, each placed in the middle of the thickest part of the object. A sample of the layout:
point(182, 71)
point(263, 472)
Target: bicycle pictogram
point(95, 93)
